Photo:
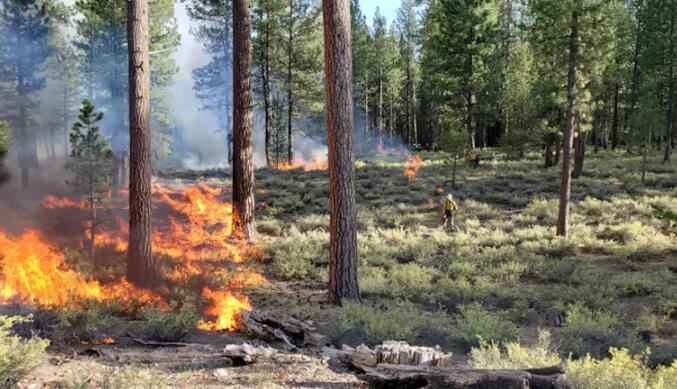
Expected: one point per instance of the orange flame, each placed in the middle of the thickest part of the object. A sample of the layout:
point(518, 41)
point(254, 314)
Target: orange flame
point(195, 237)
point(226, 307)
point(34, 272)
point(299, 162)
point(53, 202)
point(411, 167)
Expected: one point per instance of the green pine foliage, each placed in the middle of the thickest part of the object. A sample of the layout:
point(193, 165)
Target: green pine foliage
point(91, 159)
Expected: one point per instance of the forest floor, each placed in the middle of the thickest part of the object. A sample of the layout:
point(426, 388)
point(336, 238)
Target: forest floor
point(500, 276)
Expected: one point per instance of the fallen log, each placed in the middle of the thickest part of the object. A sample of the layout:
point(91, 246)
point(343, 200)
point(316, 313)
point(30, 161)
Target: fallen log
point(396, 364)
point(408, 376)
point(294, 333)
point(153, 343)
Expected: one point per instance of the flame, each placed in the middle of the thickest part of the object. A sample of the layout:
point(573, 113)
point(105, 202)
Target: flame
point(53, 202)
point(226, 307)
point(300, 163)
point(411, 166)
point(194, 238)
point(34, 271)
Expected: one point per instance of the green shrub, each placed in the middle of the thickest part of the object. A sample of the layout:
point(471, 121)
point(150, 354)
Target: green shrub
point(169, 326)
point(17, 356)
point(270, 227)
point(411, 280)
point(621, 370)
point(87, 322)
point(476, 324)
point(490, 355)
point(588, 331)
point(400, 321)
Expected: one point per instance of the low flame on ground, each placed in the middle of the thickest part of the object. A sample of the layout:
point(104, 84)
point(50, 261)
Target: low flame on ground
point(195, 238)
point(411, 166)
point(307, 165)
point(33, 271)
point(53, 202)
point(226, 307)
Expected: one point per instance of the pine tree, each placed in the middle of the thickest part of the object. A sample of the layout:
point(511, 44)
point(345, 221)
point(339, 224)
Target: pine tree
point(300, 63)
point(91, 163)
point(24, 48)
point(343, 282)
point(213, 82)
point(243, 122)
point(102, 42)
point(408, 30)
point(4, 144)
point(140, 265)
point(267, 24)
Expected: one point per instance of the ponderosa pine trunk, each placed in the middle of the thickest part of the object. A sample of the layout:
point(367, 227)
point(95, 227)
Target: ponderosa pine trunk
point(243, 122)
point(140, 266)
point(614, 121)
point(670, 128)
point(565, 186)
point(342, 215)
point(267, 93)
point(290, 89)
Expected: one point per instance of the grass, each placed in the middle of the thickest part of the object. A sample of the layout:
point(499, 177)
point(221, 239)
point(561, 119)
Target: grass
point(503, 273)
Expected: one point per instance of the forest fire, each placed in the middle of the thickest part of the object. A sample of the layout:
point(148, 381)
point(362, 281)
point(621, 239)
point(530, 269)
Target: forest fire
point(193, 234)
point(411, 167)
point(316, 164)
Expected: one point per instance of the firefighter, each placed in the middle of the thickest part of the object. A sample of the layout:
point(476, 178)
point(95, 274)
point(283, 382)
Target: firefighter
point(450, 210)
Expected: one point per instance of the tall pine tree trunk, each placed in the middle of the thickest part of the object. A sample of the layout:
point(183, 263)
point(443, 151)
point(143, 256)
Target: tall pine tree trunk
point(670, 128)
point(267, 94)
point(565, 186)
point(614, 121)
point(24, 152)
point(579, 150)
point(290, 89)
point(468, 98)
point(342, 213)
point(140, 266)
point(243, 122)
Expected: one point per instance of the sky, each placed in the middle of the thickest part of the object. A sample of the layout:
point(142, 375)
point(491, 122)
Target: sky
point(388, 9)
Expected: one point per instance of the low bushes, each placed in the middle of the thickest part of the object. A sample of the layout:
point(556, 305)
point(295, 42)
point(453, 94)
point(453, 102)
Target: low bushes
point(17, 356)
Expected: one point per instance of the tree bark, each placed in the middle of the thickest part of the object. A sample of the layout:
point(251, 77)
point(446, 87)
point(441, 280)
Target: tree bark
point(614, 122)
point(579, 152)
point(670, 128)
point(342, 214)
point(140, 266)
point(290, 90)
point(267, 94)
point(565, 186)
point(243, 122)
point(468, 102)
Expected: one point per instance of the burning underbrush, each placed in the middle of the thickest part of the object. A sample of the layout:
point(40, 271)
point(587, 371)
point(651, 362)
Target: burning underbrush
point(315, 164)
point(197, 259)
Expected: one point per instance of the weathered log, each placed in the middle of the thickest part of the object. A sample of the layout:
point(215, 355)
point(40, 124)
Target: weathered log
point(391, 352)
point(153, 343)
point(409, 376)
point(294, 333)
point(396, 364)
